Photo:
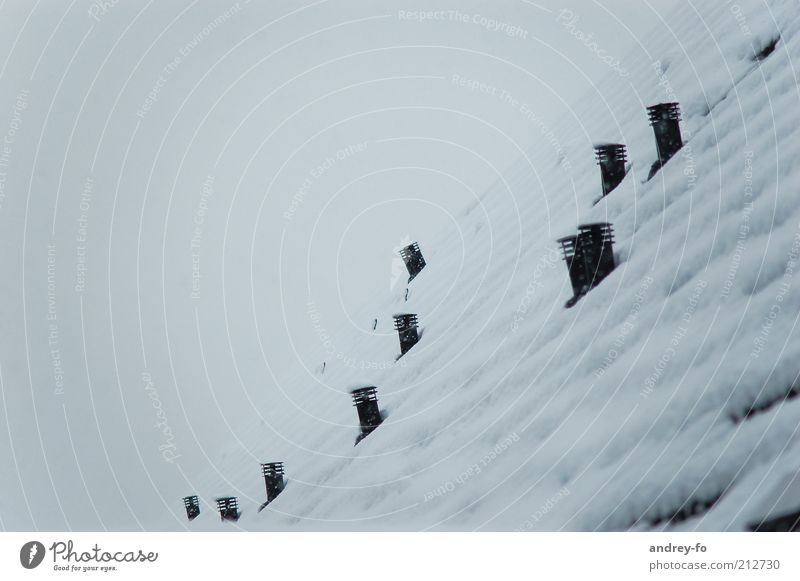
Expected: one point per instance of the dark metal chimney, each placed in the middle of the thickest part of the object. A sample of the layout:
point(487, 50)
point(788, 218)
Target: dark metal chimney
point(273, 478)
point(228, 507)
point(406, 325)
point(665, 118)
point(611, 158)
point(412, 256)
point(589, 256)
point(192, 505)
point(366, 401)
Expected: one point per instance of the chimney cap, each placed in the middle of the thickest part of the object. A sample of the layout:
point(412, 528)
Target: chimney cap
point(664, 111)
point(606, 144)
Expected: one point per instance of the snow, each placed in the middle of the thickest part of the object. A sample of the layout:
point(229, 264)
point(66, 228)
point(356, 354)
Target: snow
point(512, 412)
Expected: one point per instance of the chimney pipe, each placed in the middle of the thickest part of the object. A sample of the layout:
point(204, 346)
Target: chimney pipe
point(273, 478)
point(366, 401)
point(406, 325)
point(611, 158)
point(412, 256)
point(589, 256)
point(664, 118)
point(228, 507)
point(192, 505)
